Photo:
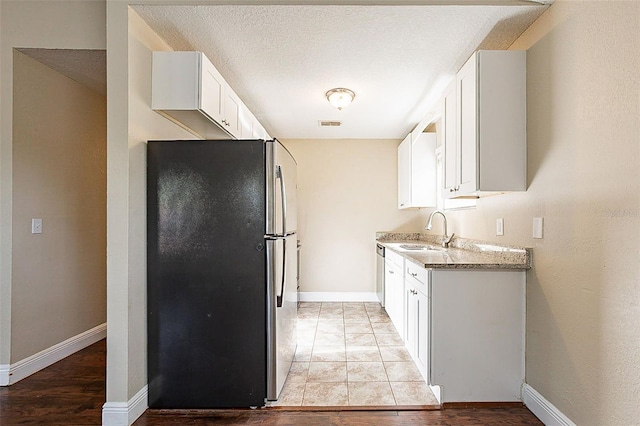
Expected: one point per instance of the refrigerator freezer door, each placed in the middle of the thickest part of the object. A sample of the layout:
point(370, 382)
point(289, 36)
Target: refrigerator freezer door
point(281, 311)
point(281, 190)
point(206, 274)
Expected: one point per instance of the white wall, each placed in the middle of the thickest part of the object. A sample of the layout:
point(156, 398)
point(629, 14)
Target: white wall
point(59, 278)
point(347, 190)
point(34, 24)
point(583, 131)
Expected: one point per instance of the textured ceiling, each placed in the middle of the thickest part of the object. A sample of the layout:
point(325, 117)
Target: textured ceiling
point(87, 67)
point(282, 59)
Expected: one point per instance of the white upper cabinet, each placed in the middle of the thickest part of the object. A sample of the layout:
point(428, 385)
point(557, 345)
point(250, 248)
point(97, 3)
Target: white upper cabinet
point(187, 89)
point(404, 173)
point(489, 154)
point(258, 131)
point(246, 123)
point(212, 85)
point(417, 171)
point(450, 163)
point(231, 112)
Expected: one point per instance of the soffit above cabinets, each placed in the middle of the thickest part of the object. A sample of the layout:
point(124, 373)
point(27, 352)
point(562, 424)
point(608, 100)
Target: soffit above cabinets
point(281, 59)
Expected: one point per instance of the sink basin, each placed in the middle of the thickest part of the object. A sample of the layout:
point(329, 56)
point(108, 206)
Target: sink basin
point(416, 248)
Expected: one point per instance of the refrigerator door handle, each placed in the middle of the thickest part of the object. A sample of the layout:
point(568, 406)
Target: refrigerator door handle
point(280, 297)
point(283, 198)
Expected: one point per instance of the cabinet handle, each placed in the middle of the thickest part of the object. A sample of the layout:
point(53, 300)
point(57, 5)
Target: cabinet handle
point(412, 274)
point(451, 189)
point(391, 272)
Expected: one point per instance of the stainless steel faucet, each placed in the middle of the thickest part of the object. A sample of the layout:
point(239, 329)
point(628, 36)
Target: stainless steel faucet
point(446, 239)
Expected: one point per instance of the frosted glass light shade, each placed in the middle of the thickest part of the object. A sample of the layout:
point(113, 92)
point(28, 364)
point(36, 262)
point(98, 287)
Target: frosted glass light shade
point(340, 97)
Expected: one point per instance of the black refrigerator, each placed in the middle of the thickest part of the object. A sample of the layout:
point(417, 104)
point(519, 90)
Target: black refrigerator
point(221, 272)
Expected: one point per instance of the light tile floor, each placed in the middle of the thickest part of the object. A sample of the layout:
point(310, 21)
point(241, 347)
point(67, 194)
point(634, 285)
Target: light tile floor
point(350, 354)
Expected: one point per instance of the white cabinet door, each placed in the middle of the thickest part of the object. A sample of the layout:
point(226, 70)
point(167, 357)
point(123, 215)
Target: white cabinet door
point(467, 126)
point(411, 305)
point(451, 167)
point(422, 333)
point(394, 290)
point(231, 112)
point(417, 171)
point(398, 318)
point(258, 130)
point(246, 123)
point(390, 280)
point(404, 173)
point(417, 333)
point(212, 86)
point(423, 170)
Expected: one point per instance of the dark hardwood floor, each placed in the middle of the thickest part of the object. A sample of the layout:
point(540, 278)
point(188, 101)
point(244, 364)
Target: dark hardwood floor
point(72, 391)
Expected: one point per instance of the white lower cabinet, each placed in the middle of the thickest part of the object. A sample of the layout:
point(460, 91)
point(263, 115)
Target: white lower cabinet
point(476, 340)
point(463, 328)
point(394, 290)
point(417, 333)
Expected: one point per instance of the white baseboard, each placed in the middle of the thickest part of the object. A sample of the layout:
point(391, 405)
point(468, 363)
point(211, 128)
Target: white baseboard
point(10, 374)
point(327, 296)
point(125, 413)
point(4, 374)
point(437, 392)
point(543, 409)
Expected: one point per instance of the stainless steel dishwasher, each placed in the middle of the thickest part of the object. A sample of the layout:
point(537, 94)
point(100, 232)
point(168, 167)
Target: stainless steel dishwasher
point(380, 273)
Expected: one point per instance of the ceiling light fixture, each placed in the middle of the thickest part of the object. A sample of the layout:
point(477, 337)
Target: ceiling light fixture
point(340, 97)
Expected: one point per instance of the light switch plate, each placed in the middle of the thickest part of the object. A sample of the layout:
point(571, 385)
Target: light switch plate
point(500, 226)
point(538, 225)
point(36, 226)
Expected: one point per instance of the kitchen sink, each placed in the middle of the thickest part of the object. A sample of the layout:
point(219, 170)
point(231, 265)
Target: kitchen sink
point(416, 248)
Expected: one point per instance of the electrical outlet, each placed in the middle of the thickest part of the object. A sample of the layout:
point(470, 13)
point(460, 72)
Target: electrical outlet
point(36, 226)
point(500, 226)
point(538, 227)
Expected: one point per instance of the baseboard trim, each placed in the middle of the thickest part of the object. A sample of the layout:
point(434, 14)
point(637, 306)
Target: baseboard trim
point(328, 296)
point(437, 392)
point(543, 409)
point(4, 374)
point(125, 413)
point(481, 404)
point(10, 374)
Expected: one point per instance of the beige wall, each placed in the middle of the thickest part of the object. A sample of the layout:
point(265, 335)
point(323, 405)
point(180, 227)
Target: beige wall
point(59, 175)
point(583, 128)
point(37, 24)
point(131, 124)
point(347, 190)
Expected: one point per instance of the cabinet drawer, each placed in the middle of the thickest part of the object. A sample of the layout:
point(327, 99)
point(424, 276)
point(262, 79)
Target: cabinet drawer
point(394, 258)
point(419, 275)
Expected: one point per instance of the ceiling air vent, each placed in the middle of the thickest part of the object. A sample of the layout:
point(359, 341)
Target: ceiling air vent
point(322, 123)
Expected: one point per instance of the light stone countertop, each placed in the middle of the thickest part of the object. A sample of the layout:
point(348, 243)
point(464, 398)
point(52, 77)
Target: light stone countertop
point(462, 253)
